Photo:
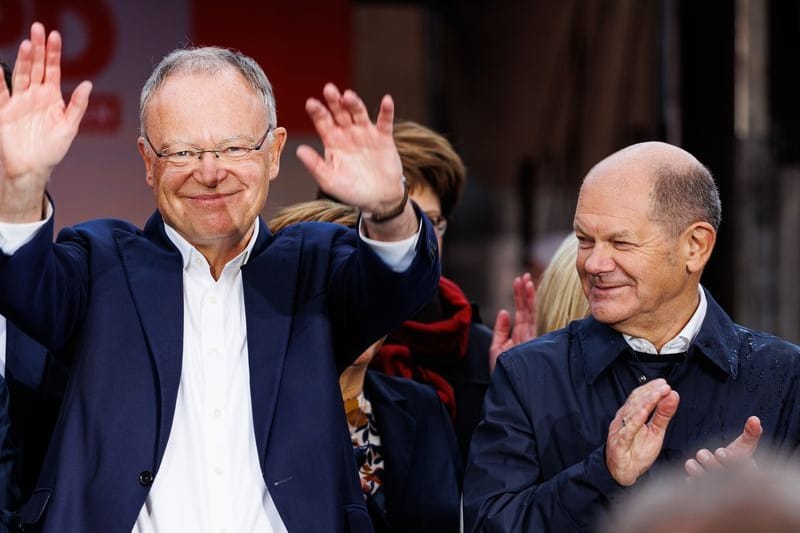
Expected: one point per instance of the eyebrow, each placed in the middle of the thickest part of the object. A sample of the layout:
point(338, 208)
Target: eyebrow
point(613, 236)
point(236, 138)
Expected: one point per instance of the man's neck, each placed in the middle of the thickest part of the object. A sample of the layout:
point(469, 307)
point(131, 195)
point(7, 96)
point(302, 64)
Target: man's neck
point(685, 326)
point(216, 253)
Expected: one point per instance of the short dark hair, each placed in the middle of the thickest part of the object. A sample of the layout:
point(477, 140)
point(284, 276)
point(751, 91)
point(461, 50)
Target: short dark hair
point(684, 195)
point(6, 75)
point(429, 159)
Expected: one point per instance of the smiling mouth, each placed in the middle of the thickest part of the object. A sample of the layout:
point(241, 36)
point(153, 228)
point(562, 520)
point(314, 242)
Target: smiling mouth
point(210, 197)
point(605, 289)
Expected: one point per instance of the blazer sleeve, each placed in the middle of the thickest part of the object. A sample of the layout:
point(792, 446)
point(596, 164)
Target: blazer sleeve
point(503, 486)
point(368, 299)
point(44, 286)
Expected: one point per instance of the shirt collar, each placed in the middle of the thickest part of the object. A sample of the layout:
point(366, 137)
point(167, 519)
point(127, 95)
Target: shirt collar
point(716, 339)
point(682, 341)
point(189, 252)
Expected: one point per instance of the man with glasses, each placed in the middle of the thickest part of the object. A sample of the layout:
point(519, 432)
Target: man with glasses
point(203, 394)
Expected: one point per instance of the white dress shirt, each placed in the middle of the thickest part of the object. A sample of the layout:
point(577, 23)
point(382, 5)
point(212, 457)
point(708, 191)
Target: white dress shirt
point(682, 341)
point(210, 478)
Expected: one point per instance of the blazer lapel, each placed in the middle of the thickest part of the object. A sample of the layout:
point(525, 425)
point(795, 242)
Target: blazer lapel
point(269, 279)
point(398, 434)
point(153, 268)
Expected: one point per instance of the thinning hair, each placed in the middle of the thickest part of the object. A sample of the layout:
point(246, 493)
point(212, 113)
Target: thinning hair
point(684, 195)
point(559, 297)
point(314, 211)
point(429, 158)
point(208, 60)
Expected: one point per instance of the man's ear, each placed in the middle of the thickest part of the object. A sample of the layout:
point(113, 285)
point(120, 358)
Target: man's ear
point(699, 239)
point(275, 150)
point(149, 164)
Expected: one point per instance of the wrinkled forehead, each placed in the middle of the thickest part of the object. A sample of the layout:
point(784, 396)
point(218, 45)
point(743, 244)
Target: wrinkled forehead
point(204, 97)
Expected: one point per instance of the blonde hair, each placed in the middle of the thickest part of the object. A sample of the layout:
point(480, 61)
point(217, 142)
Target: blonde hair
point(314, 211)
point(560, 298)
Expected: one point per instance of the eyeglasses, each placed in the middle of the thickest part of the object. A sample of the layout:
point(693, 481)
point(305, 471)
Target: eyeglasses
point(230, 152)
point(439, 223)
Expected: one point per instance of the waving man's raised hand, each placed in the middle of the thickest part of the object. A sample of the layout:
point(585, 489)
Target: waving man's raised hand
point(36, 126)
point(360, 166)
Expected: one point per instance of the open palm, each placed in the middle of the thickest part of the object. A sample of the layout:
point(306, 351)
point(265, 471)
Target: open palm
point(36, 127)
point(361, 166)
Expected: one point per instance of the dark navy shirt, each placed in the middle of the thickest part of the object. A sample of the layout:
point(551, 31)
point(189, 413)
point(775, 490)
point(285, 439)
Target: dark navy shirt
point(537, 458)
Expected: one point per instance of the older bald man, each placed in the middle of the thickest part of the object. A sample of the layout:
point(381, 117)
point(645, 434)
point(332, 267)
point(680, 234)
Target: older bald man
point(657, 375)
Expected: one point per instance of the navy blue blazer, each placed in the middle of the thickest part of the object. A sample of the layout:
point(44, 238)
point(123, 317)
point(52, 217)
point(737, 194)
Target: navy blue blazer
point(422, 464)
point(6, 458)
point(36, 383)
point(108, 298)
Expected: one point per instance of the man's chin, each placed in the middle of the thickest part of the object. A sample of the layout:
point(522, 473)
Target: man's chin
point(605, 313)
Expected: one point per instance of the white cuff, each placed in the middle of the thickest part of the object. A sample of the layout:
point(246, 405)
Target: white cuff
point(397, 255)
point(15, 236)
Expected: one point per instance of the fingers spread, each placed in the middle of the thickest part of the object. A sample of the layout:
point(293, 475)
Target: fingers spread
point(333, 99)
point(313, 162)
point(385, 119)
point(52, 67)
point(78, 103)
point(21, 77)
point(502, 328)
point(37, 53)
point(321, 118)
point(355, 106)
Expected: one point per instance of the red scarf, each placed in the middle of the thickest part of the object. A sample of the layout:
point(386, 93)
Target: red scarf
point(443, 338)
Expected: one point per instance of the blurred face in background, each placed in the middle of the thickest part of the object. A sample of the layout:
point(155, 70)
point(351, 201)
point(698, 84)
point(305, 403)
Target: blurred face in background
point(431, 205)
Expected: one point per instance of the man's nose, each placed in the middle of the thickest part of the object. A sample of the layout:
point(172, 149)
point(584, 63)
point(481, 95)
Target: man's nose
point(599, 260)
point(208, 170)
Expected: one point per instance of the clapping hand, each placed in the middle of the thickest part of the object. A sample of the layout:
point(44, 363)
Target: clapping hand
point(737, 452)
point(636, 434)
point(524, 329)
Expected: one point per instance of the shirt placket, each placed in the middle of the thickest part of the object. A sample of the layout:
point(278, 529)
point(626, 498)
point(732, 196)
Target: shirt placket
point(216, 372)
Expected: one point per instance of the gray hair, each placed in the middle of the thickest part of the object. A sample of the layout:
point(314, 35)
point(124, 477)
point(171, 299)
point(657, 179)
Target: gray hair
point(684, 195)
point(208, 59)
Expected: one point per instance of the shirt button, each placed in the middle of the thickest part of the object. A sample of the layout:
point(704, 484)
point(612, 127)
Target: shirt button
point(217, 413)
point(214, 353)
point(218, 470)
point(213, 299)
point(642, 378)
